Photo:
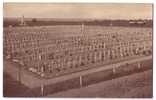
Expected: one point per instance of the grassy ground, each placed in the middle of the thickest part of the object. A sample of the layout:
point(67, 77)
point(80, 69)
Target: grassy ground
point(141, 81)
point(13, 88)
point(137, 85)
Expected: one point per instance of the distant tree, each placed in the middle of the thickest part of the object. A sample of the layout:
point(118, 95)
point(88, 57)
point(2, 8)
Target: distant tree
point(34, 20)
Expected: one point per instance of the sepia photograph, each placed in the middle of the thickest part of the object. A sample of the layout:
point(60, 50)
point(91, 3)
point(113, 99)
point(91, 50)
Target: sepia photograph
point(78, 50)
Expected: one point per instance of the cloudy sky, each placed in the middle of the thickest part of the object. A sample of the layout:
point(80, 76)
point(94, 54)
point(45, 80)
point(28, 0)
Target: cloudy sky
point(102, 11)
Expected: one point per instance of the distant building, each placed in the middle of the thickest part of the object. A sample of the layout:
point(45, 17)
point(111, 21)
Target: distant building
point(140, 22)
point(137, 22)
point(132, 22)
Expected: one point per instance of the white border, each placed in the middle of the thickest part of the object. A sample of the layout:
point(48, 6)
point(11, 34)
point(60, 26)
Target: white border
point(93, 1)
point(74, 1)
point(1, 48)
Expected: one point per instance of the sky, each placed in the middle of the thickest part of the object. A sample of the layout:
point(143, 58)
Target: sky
point(79, 10)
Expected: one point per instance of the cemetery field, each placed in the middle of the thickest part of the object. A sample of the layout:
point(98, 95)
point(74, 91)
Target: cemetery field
point(51, 59)
point(64, 45)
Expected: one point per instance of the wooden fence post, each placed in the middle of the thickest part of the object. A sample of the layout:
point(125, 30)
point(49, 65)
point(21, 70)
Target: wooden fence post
point(81, 81)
